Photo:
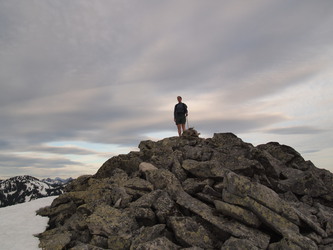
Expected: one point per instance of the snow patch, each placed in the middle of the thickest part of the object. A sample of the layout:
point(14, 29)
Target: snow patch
point(19, 223)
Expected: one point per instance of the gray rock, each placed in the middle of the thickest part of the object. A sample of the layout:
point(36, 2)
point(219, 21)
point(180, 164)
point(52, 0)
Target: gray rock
point(129, 163)
point(82, 246)
point(145, 166)
point(205, 169)
point(243, 187)
point(284, 244)
point(238, 213)
point(164, 207)
point(195, 185)
point(178, 171)
point(190, 233)
point(228, 227)
point(212, 192)
point(194, 193)
point(164, 179)
point(144, 216)
point(157, 244)
point(139, 184)
point(107, 220)
point(54, 240)
point(190, 133)
point(307, 220)
point(329, 227)
point(304, 183)
point(198, 153)
point(146, 234)
point(235, 243)
point(272, 219)
point(147, 200)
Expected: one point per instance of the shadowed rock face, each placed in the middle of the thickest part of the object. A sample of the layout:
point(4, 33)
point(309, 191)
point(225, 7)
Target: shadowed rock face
point(190, 192)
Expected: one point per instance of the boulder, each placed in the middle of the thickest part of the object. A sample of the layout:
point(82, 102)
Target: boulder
point(235, 243)
point(157, 244)
point(107, 220)
point(190, 233)
point(238, 213)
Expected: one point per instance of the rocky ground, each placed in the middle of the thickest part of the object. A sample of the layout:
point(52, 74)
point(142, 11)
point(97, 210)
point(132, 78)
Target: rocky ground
point(195, 193)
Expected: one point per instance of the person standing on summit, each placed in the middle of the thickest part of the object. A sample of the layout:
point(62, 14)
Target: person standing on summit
point(180, 113)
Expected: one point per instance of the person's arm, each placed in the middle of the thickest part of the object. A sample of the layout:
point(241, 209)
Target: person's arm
point(186, 111)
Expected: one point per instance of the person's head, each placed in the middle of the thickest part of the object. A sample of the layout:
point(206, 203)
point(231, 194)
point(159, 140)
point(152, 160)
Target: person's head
point(179, 98)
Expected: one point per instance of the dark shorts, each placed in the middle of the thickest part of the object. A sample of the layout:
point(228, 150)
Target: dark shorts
point(180, 119)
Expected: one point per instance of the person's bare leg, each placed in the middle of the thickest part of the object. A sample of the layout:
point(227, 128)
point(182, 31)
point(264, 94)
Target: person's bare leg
point(183, 127)
point(179, 127)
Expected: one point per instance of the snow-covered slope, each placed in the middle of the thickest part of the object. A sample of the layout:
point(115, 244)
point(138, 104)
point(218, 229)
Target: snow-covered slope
point(25, 188)
point(57, 181)
point(19, 223)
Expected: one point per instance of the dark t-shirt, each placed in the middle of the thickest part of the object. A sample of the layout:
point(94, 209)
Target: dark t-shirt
point(180, 109)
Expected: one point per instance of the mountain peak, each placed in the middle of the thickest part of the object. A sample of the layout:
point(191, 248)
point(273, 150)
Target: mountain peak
point(181, 192)
point(25, 188)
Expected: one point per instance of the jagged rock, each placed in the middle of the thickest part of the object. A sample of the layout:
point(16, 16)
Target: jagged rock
point(164, 179)
point(107, 220)
point(238, 213)
point(145, 166)
point(193, 193)
point(99, 241)
point(139, 184)
point(80, 184)
point(157, 244)
point(147, 200)
point(243, 187)
point(207, 169)
point(54, 239)
point(129, 163)
point(177, 169)
point(189, 133)
point(329, 227)
point(286, 155)
point(304, 183)
point(284, 244)
point(234, 243)
point(161, 156)
point(86, 247)
point(210, 191)
point(190, 233)
point(144, 216)
point(164, 207)
point(307, 220)
point(198, 153)
point(225, 226)
point(195, 185)
point(146, 234)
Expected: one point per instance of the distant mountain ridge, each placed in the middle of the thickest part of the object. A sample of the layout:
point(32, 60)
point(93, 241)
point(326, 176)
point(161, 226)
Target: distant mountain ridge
point(25, 188)
point(57, 181)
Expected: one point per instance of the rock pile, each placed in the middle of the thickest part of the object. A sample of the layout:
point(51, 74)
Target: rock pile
point(195, 193)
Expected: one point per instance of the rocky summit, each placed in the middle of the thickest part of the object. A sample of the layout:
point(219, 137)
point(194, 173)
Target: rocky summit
point(194, 193)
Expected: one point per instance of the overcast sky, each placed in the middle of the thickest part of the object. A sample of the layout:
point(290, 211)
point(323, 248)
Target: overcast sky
point(82, 81)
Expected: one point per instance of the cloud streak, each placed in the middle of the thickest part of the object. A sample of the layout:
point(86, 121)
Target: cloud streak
point(109, 72)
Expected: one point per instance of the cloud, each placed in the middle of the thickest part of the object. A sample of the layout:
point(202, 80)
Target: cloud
point(109, 71)
point(68, 150)
point(23, 161)
point(296, 130)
